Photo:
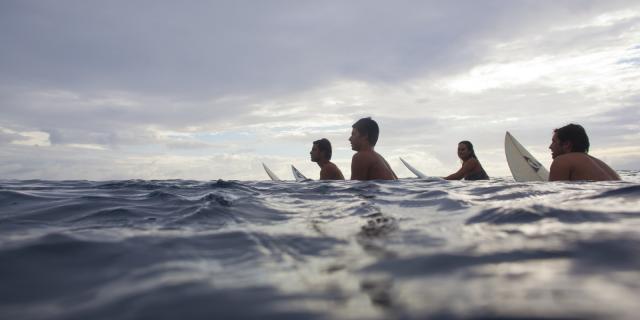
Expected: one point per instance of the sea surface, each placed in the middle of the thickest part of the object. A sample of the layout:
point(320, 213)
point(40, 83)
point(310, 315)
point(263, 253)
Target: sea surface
point(407, 249)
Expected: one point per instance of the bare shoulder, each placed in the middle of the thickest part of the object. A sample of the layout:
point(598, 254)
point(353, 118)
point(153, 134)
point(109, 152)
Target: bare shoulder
point(561, 167)
point(329, 172)
point(609, 172)
point(363, 165)
point(471, 164)
point(580, 166)
point(569, 159)
point(362, 157)
point(571, 156)
point(330, 168)
point(599, 162)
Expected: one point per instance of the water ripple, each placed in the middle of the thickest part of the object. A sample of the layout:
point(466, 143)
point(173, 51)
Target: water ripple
point(407, 249)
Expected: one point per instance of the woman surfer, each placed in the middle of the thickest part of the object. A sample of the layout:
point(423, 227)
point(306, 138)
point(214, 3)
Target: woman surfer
point(471, 167)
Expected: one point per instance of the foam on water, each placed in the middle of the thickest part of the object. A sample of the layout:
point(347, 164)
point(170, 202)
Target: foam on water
point(407, 249)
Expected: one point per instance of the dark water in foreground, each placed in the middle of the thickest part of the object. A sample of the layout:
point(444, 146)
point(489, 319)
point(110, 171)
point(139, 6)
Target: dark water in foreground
point(410, 249)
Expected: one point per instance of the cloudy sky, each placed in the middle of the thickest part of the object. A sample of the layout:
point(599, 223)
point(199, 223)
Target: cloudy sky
point(211, 89)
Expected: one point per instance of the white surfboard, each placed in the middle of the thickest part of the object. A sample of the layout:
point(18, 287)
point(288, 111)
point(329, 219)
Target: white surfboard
point(297, 174)
point(414, 170)
point(270, 173)
point(523, 166)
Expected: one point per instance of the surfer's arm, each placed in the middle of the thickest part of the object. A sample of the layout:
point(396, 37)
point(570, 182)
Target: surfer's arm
point(455, 176)
point(339, 175)
point(359, 167)
point(389, 167)
point(467, 167)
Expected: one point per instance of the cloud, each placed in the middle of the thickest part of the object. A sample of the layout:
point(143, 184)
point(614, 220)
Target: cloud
point(7, 136)
point(82, 162)
point(136, 81)
point(223, 47)
point(26, 138)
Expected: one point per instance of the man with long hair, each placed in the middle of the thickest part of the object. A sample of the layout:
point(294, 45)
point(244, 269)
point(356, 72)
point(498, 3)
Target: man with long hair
point(569, 148)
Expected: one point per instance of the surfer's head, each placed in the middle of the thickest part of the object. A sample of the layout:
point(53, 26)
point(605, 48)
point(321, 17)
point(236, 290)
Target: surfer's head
point(570, 138)
point(465, 150)
point(364, 130)
point(321, 150)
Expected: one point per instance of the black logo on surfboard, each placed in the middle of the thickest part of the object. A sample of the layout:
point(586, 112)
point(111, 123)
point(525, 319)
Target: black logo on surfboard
point(535, 165)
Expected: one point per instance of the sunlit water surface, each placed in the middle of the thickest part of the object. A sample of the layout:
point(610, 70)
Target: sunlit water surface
point(409, 249)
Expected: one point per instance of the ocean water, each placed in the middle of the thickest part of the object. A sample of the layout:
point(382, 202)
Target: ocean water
point(408, 249)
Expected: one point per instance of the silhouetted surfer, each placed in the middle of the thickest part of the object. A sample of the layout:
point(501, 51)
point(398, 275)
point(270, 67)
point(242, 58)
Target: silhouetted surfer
point(471, 168)
point(569, 147)
point(321, 154)
point(367, 164)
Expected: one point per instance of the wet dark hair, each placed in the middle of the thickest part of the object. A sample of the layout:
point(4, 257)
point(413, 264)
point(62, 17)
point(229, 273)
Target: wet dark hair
point(470, 147)
point(324, 146)
point(575, 134)
point(366, 126)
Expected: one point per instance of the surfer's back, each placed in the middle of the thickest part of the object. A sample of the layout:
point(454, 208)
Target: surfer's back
point(580, 166)
point(330, 171)
point(369, 165)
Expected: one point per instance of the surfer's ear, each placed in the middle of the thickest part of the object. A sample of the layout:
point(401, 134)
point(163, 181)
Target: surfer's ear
point(567, 146)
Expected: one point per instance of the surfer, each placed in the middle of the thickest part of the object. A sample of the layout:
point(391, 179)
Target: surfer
point(471, 168)
point(569, 148)
point(367, 164)
point(321, 154)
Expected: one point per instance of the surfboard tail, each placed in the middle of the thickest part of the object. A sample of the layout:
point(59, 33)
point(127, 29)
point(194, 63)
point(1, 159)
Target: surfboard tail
point(414, 170)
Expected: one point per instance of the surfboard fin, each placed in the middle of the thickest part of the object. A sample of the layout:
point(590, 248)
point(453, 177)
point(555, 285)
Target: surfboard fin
point(270, 173)
point(414, 170)
point(297, 174)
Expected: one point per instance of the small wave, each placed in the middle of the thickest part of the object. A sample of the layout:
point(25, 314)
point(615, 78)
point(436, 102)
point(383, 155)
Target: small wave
point(161, 249)
point(9, 198)
point(223, 184)
point(298, 247)
point(516, 195)
point(162, 195)
point(607, 252)
point(536, 213)
point(482, 190)
point(443, 204)
point(54, 265)
point(446, 262)
point(113, 216)
point(221, 200)
point(127, 184)
point(624, 192)
point(204, 217)
point(431, 194)
point(234, 185)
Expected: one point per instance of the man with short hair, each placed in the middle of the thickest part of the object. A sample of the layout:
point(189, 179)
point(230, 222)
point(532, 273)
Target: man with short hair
point(321, 154)
point(569, 147)
point(367, 164)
